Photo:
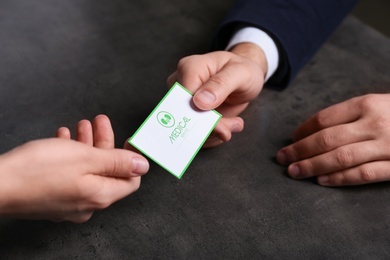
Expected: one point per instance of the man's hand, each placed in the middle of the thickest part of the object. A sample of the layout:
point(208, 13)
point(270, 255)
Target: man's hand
point(345, 144)
point(226, 81)
point(61, 179)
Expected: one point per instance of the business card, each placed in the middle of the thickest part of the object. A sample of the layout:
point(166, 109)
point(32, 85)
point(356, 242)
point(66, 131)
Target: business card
point(175, 131)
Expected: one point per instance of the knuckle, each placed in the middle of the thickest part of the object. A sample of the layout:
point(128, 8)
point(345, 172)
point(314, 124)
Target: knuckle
point(367, 174)
point(102, 203)
point(344, 157)
point(325, 140)
point(183, 61)
point(117, 166)
point(79, 190)
point(321, 119)
point(96, 201)
point(187, 61)
point(381, 122)
point(181, 68)
point(368, 102)
point(182, 65)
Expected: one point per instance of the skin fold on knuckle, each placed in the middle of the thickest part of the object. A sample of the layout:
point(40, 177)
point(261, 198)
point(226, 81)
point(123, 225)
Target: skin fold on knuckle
point(100, 201)
point(381, 124)
point(344, 158)
point(117, 165)
point(218, 81)
point(367, 174)
point(325, 140)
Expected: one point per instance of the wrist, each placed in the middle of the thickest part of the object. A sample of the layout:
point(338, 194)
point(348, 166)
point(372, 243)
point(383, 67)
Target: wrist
point(252, 52)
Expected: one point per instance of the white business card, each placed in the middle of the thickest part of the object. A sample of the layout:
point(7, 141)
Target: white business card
point(175, 131)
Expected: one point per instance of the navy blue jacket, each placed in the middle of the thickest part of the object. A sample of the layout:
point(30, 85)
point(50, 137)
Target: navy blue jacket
point(299, 28)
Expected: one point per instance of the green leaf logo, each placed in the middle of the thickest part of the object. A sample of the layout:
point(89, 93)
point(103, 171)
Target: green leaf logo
point(165, 119)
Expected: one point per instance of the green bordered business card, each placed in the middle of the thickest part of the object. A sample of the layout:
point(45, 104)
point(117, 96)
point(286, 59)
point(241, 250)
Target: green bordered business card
point(175, 131)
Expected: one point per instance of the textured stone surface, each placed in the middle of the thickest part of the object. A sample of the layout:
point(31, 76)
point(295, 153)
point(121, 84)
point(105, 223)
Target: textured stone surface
point(62, 61)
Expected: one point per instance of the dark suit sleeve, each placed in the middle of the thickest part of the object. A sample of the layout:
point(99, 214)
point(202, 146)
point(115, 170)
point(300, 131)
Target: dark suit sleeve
point(299, 28)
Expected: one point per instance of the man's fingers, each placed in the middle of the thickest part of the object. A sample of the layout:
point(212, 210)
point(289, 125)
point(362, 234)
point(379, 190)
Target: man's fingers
point(342, 113)
point(234, 124)
point(63, 132)
point(188, 79)
point(84, 132)
point(223, 131)
point(323, 141)
point(228, 110)
point(103, 134)
point(344, 157)
point(193, 71)
point(363, 174)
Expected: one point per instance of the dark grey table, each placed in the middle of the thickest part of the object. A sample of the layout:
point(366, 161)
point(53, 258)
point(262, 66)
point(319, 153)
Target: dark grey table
point(61, 61)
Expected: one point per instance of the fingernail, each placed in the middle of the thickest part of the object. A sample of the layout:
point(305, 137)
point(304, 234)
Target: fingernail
point(294, 171)
point(323, 180)
point(140, 165)
point(281, 158)
point(206, 97)
point(236, 128)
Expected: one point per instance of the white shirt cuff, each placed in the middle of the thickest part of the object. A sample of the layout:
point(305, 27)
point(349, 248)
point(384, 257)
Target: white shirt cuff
point(263, 40)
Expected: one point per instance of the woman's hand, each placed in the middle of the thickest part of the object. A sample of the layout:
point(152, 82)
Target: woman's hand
point(62, 179)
